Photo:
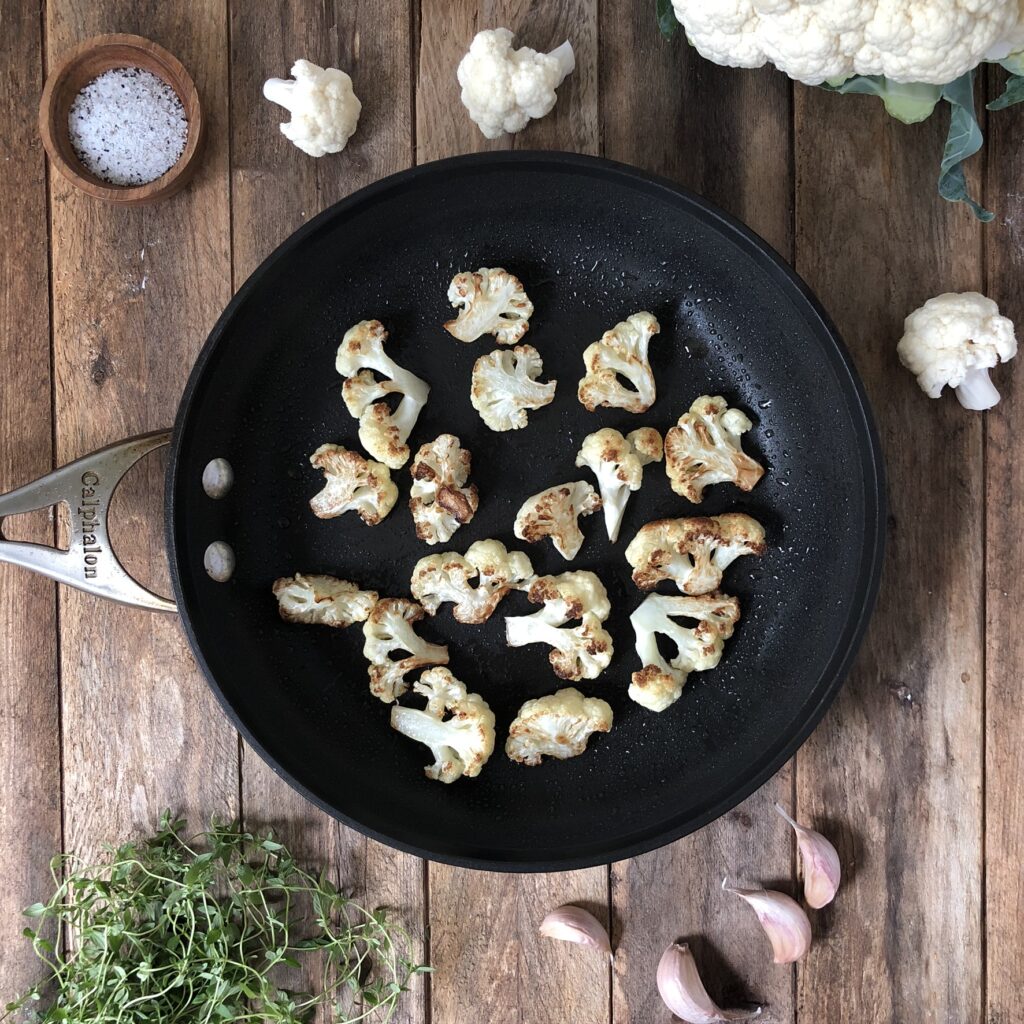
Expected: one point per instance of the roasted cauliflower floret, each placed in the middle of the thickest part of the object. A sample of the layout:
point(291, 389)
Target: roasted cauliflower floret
point(352, 484)
point(492, 301)
point(460, 743)
point(694, 552)
point(660, 682)
point(505, 385)
point(621, 352)
point(555, 513)
point(389, 629)
point(704, 448)
point(558, 725)
point(382, 433)
point(618, 463)
point(440, 501)
point(322, 600)
point(578, 652)
point(450, 577)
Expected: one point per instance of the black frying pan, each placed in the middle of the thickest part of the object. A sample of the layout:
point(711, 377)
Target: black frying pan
point(593, 242)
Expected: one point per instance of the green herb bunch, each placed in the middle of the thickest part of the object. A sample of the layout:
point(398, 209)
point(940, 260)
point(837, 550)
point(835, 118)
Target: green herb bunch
point(203, 930)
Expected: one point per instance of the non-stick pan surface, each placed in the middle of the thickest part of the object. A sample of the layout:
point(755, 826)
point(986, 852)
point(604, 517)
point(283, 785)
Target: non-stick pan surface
point(593, 242)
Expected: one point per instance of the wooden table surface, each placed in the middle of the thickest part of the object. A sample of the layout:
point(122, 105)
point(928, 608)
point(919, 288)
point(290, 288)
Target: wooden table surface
point(105, 720)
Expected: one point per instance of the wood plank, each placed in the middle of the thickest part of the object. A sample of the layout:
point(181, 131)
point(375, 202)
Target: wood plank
point(275, 187)
point(736, 152)
point(895, 771)
point(30, 807)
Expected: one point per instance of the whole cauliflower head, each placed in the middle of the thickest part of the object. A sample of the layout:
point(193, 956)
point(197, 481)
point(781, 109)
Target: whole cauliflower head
point(505, 385)
point(492, 301)
point(659, 683)
point(555, 513)
point(325, 110)
point(577, 652)
point(618, 463)
point(322, 600)
point(955, 339)
point(352, 484)
point(440, 501)
point(382, 433)
point(389, 629)
point(703, 448)
point(621, 353)
point(693, 552)
point(456, 725)
point(928, 41)
point(503, 88)
point(558, 725)
point(474, 583)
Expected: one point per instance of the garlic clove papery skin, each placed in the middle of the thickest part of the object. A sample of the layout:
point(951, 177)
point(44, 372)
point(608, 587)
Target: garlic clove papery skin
point(683, 992)
point(783, 920)
point(820, 861)
point(574, 924)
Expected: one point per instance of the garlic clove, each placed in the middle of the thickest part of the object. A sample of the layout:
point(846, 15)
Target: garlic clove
point(683, 992)
point(820, 862)
point(783, 920)
point(574, 924)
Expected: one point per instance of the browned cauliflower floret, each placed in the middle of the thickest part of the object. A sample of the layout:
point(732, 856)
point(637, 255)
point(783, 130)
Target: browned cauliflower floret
point(558, 725)
point(323, 600)
point(505, 385)
point(555, 513)
point(704, 448)
point(440, 501)
point(621, 352)
point(389, 629)
point(493, 301)
point(352, 483)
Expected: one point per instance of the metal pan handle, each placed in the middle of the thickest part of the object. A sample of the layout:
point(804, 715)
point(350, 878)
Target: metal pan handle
point(86, 487)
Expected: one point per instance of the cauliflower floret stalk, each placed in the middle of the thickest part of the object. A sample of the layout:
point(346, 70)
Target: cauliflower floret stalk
point(322, 600)
point(578, 652)
point(449, 577)
point(388, 631)
point(505, 385)
point(621, 352)
point(325, 110)
point(660, 682)
point(382, 433)
point(492, 301)
point(555, 513)
point(703, 448)
point(694, 552)
point(352, 484)
point(440, 501)
point(462, 742)
point(618, 463)
point(503, 88)
point(954, 340)
point(558, 725)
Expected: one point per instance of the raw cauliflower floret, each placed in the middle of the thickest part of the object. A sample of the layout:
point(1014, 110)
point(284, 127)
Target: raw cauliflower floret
point(449, 576)
point(955, 339)
point(555, 513)
point(352, 483)
point(505, 385)
point(325, 110)
point(660, 682)
point(558, 725)
point(322, 600)
point(440, 501)
point(389, 629)
point(492, 301)
point(694, 552)
point(381, 433)
point(460, 743)
point(503, 88)
point(703, 448)
point(621, 352)
point(618, 463)
point(578, 652)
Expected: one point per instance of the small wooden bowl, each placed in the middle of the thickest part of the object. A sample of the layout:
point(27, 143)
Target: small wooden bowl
point(79, 67)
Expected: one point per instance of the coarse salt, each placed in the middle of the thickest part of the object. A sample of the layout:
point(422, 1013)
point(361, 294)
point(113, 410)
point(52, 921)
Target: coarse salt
point(127, 126)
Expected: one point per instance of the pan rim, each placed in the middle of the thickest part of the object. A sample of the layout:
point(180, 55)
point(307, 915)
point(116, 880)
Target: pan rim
point(850, 387)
